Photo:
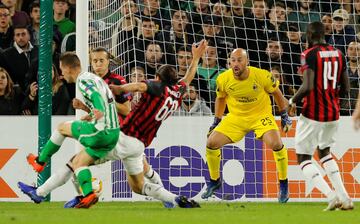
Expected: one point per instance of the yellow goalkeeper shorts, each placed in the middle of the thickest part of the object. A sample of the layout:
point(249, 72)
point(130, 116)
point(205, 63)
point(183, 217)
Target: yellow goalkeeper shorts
point(236, 127)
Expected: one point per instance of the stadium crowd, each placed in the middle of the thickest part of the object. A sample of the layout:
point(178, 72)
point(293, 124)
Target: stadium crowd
point(145, 34)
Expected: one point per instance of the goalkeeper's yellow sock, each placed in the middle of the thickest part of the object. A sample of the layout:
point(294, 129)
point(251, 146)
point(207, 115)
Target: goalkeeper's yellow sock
point(213, 157)
point(281, 159)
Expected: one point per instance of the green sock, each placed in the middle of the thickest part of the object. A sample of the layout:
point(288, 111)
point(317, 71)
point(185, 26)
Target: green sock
point(49, 149)
point(83, 176)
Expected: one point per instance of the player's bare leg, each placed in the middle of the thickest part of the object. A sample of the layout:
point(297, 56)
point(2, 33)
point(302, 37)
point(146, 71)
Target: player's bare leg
point(312, 173)
point(215, 141)
point(333, 173)
point(273, 140)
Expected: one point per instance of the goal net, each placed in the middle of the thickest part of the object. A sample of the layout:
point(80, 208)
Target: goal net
point(144, 34)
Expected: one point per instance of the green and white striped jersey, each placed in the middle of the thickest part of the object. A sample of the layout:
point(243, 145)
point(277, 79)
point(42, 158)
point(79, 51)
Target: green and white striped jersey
point(96, 94)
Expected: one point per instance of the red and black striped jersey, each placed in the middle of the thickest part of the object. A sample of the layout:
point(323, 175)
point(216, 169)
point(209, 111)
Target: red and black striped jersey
point(155, 105)
point(328, 64)
point(113, 78)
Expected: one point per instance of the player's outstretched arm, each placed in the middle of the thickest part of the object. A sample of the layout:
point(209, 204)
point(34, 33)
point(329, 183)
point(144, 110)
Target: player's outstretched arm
point(130, 87)
point(197, 52)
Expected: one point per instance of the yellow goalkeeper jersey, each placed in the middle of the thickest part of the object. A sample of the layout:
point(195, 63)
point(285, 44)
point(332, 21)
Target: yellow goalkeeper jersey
point(247, 98)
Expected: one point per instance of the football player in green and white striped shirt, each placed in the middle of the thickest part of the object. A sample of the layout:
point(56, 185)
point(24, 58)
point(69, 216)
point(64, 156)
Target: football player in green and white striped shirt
point(98, 131)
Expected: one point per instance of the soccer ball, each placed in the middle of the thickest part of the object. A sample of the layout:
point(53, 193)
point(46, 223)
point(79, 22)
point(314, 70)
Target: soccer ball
point(97, 186)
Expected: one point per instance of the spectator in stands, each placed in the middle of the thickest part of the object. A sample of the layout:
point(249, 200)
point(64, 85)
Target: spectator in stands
point(32, 73)
point(152, 11)
point(127, 31)
point(201, 9)
point(175, 5)
point(105, 10)
point(137, 74)
point(100, 64)
point(353, 66)
point(294, 51)
point(210, 29)
point(60, 97)
point(223, 11)
point(343, 33)
point(34, 27)
point(356, 13)
point(11, 97)
point(6, 29)
point(327, 21)
point(238, 12)
point(209, 69)
point(305, 13)
point(184, 58)
point(68, 43)
point(180, 33)
point(286, 88)
point(154, 58)
point(19, 18)
point(71, 13)
point(192, 104)
point(277, 16)
point(258, 30)
point(17, 59)
point(275, 56)
point(149, 34)
point(64, 24)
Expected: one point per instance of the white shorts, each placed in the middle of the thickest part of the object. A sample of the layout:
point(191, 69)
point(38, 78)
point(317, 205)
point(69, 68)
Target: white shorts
point(130, 151)
point(311, 134)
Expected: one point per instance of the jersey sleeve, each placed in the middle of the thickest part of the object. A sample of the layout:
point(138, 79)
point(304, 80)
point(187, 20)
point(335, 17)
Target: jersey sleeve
point(182, 87)
point(155, 88)
point(270, 83)
point(89, 90)
point(308, 60)
point(220, 86)
point(124, 97)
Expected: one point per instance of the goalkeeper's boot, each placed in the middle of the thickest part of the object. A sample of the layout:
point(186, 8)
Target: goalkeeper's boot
point(32, 160)
point(333, 204)
point(183, 202)
point(87, 201)
point(31, 192)
point(212, 186)
point(283, 195)
point(73, 202)
point(347, 204)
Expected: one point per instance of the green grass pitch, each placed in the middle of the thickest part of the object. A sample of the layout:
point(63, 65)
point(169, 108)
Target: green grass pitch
point(153, 212)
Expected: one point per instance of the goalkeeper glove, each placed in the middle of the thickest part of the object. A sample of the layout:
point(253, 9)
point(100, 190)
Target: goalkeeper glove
point(286, 122)
point(215, 123)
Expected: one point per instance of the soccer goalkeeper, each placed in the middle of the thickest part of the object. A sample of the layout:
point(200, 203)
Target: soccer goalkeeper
point(245, 91)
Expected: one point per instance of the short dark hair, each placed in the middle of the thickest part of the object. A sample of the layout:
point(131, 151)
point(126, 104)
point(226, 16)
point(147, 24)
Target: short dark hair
point(316, 31)
point(70, 59)
point(33, 5)
point(184, 48)
point(20, 26)
point(167, 75)
point(2, 6)
point(279, 4)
